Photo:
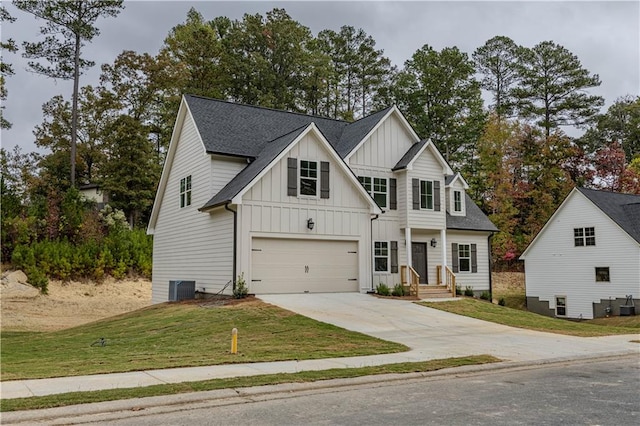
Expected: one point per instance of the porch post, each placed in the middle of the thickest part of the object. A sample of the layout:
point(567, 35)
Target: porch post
point(407, 235)
point(443, 238)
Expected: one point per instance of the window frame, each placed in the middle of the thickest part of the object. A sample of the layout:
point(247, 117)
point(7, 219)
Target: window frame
point(603, 269)
point(186, 184)
point(563, 306)
point(426, 196)
point(584, 236)
point(379, 255)
point(457, 201)
point(372, 185)
point(467, 258)
point(315, 179)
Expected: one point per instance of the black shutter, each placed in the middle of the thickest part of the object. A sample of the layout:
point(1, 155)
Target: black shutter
point(324, 179)
point(292, 177)
point(415, 186)
point(454, 257)
point(436, 195)
point(394, 257)
point(393, 194)
point(474, 258)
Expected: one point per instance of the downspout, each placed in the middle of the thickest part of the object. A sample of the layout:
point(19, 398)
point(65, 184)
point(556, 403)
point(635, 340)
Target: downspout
point(490, 267)
point(235, 238)
point(372, 251)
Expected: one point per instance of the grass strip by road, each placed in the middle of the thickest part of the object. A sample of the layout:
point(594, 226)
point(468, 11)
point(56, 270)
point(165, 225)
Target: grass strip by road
point(517, 318)
point(73, 398)
point(181, 335)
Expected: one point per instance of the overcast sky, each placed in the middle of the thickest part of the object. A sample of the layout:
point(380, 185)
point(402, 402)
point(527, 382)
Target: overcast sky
point(605, 35)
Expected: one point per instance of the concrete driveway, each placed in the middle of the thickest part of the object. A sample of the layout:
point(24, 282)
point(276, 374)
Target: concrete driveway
point(433, 334)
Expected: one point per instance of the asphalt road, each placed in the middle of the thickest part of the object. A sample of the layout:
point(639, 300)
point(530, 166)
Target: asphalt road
point(594, 392)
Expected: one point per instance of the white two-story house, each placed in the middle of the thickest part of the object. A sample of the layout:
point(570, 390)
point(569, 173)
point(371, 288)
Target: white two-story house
point(296, 203)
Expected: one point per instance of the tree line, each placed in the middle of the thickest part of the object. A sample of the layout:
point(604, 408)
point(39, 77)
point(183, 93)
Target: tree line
point(514, 152)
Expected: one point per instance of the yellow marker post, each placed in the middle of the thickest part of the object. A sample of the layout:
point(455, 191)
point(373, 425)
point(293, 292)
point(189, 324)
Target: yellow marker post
point(234, 341)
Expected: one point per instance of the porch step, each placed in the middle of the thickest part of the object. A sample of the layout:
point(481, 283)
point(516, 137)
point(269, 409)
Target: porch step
point(433, 291)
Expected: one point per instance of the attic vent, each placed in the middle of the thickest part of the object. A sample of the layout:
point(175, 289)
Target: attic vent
point(182, 290)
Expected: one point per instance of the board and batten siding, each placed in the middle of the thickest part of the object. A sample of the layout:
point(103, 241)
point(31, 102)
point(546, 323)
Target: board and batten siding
point(426, 167)
point(188, 244)
point(267, 210)
point(555, 267)
point(384, 147)
point(386, 229)
point(478, 281)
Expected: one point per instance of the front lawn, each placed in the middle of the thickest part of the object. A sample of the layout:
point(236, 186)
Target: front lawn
point(181, 335)
point(517, 318)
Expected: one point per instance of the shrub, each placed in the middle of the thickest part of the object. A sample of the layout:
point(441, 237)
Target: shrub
point(398, 290)
point(458, 291)
point(468, 291)
point(241, 291)
point(37, 278)
point(383, 290)
point(485, 295)
point(502, 302)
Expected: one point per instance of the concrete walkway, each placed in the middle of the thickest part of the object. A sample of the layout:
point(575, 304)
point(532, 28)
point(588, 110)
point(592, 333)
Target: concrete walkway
point(431, 334)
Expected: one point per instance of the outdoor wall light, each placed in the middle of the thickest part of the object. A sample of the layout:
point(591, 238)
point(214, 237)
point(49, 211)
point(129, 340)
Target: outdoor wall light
point(433, 242)
point(310, 223)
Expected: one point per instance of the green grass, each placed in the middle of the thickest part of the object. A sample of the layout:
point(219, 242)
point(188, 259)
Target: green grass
point(181, 335)
point(521, 319)
point(271, 379)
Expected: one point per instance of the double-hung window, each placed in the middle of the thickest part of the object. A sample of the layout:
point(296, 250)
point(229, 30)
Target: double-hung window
point(584, 236)
point(381, 256)
point(602, 274)
point(185, 191)
point(377, 187)
point(426, 194)
point(457, 201)
point(561, 306)
point(309, 178)
point(464, 257)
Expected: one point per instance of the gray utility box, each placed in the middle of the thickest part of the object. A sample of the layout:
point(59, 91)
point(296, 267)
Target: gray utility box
point(627, 311)
point(182, 290)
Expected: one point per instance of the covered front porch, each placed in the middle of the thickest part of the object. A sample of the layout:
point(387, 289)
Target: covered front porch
point(426, 273)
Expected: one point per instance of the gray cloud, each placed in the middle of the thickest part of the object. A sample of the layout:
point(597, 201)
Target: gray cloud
point(605, 36)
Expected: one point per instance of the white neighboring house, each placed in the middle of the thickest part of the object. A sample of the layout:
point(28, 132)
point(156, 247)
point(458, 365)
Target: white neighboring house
point(586, 259)
point(298, 203)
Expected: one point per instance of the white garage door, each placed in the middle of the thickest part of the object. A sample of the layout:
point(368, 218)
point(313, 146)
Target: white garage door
point(281, 265)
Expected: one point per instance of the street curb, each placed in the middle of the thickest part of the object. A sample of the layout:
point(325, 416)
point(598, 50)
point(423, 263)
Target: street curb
point(170, 403)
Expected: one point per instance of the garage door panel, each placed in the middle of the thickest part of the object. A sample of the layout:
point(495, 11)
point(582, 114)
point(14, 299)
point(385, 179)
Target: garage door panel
point(297, 266)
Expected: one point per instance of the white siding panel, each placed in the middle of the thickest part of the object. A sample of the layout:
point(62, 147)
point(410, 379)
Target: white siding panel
point(386, 229)
point(188, 244)
point(426, 167)
point(555, 267)
point(385, 147)
point(478, 281)
point(223, 169)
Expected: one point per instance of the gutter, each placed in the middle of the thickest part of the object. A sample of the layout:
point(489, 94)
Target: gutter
point(372, 250)
point(235, 239)
point(489, 238)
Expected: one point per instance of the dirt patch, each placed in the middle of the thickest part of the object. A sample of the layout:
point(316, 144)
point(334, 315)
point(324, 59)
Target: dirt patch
point(508, 282)
point(67, 304)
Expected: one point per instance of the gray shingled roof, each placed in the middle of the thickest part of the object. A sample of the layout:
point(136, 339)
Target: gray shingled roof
point(244, 130)
point(271, 150)
point(623, 209)
point(409, 155)
point(475, 219)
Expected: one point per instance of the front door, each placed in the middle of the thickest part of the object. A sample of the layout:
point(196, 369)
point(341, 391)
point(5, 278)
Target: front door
point(419, 260)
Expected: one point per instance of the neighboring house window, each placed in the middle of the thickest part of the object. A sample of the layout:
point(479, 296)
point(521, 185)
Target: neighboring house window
point(185, 191)
point(602, 274)
point(309, 178)
point(584, 236)
point(464, 257)
point(381, 256)
point(457, 201)
point(561, 306)
point(377, 187)
point(426, 194)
